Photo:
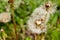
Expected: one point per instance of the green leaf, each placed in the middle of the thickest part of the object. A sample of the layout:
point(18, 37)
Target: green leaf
point(58, 25)
point(55, 35)
point(27, 38)
point(54, 20)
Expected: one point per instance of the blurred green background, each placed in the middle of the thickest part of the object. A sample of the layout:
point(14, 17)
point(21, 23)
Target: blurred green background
point(22, 13)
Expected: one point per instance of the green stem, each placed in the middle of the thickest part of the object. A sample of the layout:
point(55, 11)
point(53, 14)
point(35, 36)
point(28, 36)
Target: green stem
point(14, 21)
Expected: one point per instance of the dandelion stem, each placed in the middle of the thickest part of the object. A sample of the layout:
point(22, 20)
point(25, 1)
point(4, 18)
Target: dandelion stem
point(35, 36)
point(12, 9)
point(14, 22)
point(42, 36)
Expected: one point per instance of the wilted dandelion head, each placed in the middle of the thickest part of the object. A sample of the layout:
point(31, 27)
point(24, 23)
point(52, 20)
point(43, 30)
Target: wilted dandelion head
point(5, 17)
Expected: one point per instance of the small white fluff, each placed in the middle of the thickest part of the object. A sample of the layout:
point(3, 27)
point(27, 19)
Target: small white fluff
point(1, 30)
point(5, 17)
point(42, 14)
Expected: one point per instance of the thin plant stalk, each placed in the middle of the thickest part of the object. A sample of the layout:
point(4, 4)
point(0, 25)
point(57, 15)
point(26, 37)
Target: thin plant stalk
point(12, 10)
point(35, 36)
point(23, 29)
point(3, 38)
point(42, 37)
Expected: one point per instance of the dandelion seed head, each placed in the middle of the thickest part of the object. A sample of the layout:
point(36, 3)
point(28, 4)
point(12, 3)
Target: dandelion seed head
point(37, 14)
point(42, 16)
point(5, 17)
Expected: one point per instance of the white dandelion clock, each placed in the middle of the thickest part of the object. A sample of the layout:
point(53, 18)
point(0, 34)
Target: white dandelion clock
point(39, 18)
point(5, 17)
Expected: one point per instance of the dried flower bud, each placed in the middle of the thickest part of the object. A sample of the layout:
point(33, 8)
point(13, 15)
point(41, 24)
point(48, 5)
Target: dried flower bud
point(48, 4)
point(10, 1)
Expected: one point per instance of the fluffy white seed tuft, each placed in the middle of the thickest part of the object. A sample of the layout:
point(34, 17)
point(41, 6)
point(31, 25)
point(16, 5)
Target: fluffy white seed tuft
point(5, 17)
point(40, 13)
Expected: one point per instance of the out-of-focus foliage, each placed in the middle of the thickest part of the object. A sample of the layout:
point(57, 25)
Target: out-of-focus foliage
point(21, 16)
